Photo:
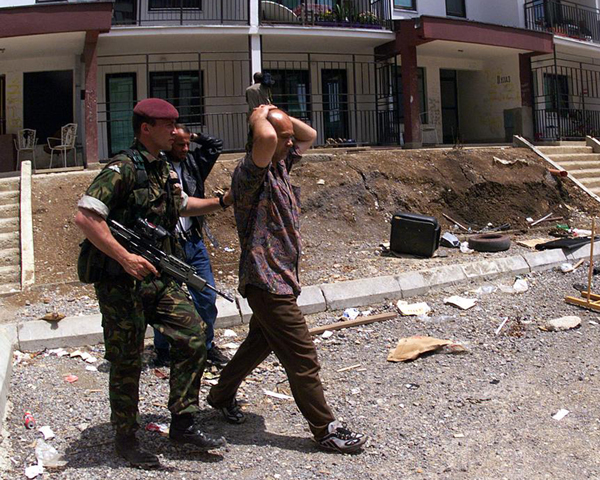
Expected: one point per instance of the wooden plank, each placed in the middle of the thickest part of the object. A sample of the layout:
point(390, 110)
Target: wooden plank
point(354, 323)
point(533, 242)
point(593, 296)
point(583, 303)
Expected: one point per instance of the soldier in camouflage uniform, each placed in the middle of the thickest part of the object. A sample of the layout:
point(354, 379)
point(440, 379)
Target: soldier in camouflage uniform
point(130, 291)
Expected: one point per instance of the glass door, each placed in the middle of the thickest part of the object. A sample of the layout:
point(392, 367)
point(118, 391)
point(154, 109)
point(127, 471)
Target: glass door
point(121, 95)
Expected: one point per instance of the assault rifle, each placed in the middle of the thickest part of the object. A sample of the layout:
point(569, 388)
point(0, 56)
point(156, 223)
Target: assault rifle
point(142, 241)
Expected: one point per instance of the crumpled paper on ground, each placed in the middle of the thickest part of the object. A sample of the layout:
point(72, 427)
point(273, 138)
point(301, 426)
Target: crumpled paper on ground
point(411, 347)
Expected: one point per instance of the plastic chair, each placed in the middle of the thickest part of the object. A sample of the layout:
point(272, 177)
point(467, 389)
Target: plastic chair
point(428, 127)
point(66, 142)
point(25, 142)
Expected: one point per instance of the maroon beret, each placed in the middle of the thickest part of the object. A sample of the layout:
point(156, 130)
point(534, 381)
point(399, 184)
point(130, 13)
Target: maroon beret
point(156, 108)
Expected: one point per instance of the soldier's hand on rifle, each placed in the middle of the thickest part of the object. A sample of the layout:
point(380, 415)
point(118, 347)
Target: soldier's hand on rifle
point(138, 267)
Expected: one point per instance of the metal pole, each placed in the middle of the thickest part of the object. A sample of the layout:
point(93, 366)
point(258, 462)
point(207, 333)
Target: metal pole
point(583, 117)
point(557, 94)
point(355, 98)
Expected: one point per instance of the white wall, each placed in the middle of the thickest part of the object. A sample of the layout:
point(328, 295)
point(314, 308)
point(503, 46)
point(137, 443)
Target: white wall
point(15, 3)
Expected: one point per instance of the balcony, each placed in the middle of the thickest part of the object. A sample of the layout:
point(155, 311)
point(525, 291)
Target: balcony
point(181, 12)
point(563, 18)
point(364, 14)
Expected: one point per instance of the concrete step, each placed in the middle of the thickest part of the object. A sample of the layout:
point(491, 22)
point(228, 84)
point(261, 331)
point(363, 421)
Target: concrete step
point(9, 240)
point(9, 211)
point(565, 150)
point(589, 182)
point(575, 157)
point(10, 256)
point(9, 197)
point(9, 224)
point(587, 172)
point(7, 184)
point(574, 166)
point(10, 274)
point(10, 288)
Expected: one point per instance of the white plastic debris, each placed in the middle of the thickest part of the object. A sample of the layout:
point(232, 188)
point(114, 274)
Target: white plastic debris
point(320, 181)
point(520, 285)
point(76, 353)
point(566, 267)
point(231, 346)
point(327, 334)
point(464, 248)
point(485, 290)
point(351, 313)
point(229, 249)
point(46, 432)
point(34, 470)
point(228, 333)
point(420, 308)
point(460, 302)
point(563, 323)
point(529, 220)
point(91, 368)
point(578, 232)
point(88, 358)
point(59, 352)
point(501, 325)
point(83, 426)
point(48, 456)
point(281, 396)
point(562, 413)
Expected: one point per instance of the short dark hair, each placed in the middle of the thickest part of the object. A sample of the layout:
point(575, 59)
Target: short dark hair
point(258, 76)
point(137, 121)
point(181, 126)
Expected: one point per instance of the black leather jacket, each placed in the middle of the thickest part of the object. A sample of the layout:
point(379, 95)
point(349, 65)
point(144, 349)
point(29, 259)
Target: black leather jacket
point(196, 168)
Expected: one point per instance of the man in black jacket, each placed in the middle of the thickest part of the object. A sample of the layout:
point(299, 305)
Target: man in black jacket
point(192, 168)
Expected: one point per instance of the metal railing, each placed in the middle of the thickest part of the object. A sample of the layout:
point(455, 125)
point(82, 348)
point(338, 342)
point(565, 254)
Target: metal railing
point(563, 18)
point(365, 14)
point(181, 12)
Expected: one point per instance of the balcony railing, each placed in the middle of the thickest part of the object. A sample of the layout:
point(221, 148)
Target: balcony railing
point(367, 14)
point(181, 12)
point(563, 18)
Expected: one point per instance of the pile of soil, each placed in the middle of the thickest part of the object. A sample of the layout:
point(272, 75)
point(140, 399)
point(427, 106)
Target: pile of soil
point(348, 200)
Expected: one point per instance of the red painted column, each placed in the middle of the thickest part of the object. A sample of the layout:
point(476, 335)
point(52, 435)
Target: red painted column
point(90, 55)
point(527, 127)
point(410, 97)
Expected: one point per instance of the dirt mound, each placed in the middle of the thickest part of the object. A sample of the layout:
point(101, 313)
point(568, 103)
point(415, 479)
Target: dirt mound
point(348, 200)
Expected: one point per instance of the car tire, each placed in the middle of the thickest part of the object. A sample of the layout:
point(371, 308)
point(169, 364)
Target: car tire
point(489, 242)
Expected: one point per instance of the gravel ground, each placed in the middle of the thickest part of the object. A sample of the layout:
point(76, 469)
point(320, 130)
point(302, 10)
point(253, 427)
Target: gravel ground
point(482, 415)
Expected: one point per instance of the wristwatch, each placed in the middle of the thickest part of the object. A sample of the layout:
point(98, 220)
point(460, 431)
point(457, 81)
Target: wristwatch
point(221, 202)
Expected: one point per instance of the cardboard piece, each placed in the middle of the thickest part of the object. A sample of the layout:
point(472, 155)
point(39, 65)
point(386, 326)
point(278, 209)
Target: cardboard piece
point(411, 347)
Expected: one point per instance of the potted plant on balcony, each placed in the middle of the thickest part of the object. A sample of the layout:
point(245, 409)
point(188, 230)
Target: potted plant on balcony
point(368, 20)
point(326, 18)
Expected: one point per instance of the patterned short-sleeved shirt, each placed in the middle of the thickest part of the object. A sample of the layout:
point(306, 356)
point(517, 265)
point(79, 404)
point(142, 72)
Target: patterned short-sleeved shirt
point(267, 214)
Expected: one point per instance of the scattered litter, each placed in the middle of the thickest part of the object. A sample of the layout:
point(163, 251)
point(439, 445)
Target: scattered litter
point(566, 267)
point(327, 334)
point(511, 162)
point(351, 313)
point(532, 243)
point(345, 369)
point(71, 378)
point(158, 427)
point(91, 368)
point(46, 432)
point(464, 248)
point(520, 285)
point(59, 352)
point(159, 374)
point(484, 290)
point(53, 317)
point(459, 435)
point(449, 240)
point(229, 249)
point(355, 391)
point(411, 347)
point(28, 420)
point(408, 309)
point(228, 333)
point(578, 232)
point(529, 219)
point(34, 470)
point(563, 323)
point(320, 182)
point(48, 456)
point(88, 358)
point(20, 357)
point(366, 313)
point(562, 413)
point(281, 396)
point(76, 353)
point(460, 302)
point(545, 217)
point(591, 322)
point(501, 325)
point(231, 346)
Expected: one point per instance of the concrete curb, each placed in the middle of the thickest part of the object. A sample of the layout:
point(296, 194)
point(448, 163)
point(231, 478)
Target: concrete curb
point(86, 330)
point(27, 260)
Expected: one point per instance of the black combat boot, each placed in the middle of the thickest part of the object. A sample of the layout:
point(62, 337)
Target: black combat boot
point(182, 431)
point(127, 446)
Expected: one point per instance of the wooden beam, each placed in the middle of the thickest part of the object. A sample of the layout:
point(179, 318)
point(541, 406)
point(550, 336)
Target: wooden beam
point(580, 302)
point(353, 323)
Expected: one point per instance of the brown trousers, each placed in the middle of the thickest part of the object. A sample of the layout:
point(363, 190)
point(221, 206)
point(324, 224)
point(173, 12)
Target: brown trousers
point(277, 325)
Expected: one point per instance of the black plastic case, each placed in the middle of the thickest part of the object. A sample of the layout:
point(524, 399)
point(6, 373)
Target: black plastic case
point(414, 234)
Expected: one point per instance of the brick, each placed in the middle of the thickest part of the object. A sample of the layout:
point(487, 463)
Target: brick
point(356, 293)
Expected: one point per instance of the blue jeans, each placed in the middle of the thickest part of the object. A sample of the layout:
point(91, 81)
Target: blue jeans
point(205, 301)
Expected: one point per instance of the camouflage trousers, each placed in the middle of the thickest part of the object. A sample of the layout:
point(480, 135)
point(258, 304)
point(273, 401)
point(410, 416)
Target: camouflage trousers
point(127, 308)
